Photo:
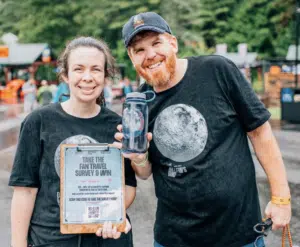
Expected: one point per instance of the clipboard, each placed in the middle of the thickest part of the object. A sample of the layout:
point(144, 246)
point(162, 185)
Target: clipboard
point(92, 188)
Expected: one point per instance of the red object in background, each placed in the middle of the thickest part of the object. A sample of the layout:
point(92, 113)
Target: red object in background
point(10, 93)
point(4, 51)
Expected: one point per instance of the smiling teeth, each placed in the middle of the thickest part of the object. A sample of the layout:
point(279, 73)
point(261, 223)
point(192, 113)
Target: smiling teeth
point(154, 65)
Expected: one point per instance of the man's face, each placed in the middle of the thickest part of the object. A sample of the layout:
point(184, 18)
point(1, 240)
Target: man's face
point(154, 58)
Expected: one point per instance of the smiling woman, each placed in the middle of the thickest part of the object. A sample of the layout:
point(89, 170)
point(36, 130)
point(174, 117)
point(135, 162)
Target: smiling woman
point(85, 66)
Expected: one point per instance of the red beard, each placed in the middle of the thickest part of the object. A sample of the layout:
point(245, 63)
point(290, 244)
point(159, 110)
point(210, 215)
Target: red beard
point(163, 76)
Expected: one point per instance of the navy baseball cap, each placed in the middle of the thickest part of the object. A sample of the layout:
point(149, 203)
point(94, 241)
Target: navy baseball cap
point(148, 21)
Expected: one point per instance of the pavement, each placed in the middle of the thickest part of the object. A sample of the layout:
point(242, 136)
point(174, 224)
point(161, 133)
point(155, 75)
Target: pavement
point(142, 212)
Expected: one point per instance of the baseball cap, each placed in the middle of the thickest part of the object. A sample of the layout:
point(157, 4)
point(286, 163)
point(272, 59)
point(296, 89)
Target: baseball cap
point(148, 21)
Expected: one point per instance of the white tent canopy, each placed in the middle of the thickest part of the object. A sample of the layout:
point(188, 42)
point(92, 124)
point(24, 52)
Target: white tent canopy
point(291, 55)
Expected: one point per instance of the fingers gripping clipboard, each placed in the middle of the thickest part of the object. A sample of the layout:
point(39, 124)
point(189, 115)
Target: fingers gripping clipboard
point(92, 188)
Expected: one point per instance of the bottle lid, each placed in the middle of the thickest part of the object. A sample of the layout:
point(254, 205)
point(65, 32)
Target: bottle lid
point(136, 95)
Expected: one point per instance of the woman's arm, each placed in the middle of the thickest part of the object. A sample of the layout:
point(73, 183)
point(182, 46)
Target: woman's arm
point(21, 211)
point(130, 193)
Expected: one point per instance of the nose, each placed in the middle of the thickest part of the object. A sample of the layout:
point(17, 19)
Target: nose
point(150, 53)
point(87, 76)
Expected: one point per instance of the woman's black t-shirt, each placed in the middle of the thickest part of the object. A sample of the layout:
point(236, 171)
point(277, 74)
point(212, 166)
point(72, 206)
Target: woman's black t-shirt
point(37, 159)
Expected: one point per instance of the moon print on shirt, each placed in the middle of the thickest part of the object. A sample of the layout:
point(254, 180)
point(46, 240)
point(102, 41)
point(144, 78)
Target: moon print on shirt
point(180, 132)
point(79, 139)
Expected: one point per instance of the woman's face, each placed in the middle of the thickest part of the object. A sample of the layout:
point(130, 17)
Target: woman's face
point(86, 74)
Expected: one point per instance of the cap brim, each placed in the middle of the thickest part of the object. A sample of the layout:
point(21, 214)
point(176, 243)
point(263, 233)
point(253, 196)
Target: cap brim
point(143, 28)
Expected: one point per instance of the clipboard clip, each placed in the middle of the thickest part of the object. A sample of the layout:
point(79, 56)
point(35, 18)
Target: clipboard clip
point(93, 146)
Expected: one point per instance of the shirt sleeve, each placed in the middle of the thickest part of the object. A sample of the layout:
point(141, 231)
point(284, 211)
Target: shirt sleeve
point(25, 170)
point(130, 178)
point(250, 110)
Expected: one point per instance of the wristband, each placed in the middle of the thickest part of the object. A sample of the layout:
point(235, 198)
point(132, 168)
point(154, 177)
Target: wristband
point(143, 163)
point(281, 200)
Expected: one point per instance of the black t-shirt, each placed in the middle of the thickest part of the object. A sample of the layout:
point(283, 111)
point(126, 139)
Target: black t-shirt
point(36, 162)
point(202, 167)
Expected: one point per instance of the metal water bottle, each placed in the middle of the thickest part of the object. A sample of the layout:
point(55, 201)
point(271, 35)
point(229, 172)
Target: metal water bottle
point(135, 123)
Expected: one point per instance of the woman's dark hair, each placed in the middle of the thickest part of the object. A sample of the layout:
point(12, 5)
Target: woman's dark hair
point(110, 68)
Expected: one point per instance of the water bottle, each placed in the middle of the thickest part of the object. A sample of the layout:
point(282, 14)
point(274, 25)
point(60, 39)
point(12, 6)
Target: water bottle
point(135, 123)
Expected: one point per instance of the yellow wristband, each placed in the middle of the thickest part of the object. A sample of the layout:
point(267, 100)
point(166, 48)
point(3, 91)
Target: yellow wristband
point(281, 200)
point(143, 163)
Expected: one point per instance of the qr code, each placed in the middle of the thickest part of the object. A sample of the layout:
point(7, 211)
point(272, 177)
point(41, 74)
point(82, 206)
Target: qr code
point(93, 212)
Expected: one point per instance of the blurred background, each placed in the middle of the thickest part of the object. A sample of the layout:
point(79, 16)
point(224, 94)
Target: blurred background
point(260, 36)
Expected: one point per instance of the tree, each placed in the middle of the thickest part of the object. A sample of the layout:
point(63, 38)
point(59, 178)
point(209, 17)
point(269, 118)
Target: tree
point(185, 23)
point(262, 24)
point(214, 16)
point(9, 15)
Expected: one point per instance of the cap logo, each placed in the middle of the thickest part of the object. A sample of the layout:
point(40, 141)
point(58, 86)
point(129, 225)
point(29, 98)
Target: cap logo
point(137, 21)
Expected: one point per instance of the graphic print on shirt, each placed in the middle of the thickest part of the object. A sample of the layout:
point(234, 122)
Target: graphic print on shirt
point(180, 134)
point(78, 139)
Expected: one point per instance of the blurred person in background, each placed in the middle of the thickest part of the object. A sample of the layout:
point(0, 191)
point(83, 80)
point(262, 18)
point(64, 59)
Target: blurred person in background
point(29, 92)
point(108, 94)
point(53, 89)
point(62, 92)
point(81, 119)
point(127, 88)
point(203, 114)
point(44, 94)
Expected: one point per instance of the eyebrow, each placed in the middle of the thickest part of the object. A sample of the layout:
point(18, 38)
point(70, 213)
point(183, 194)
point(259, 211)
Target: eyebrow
point(157, 38)
point(93, 66)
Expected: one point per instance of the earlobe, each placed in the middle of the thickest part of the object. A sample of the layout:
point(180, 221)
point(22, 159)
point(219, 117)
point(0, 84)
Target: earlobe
point(129, 54)
point(174, 44)
point(65, 79)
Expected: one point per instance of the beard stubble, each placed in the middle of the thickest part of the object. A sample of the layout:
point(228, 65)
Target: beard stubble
point(160, 78)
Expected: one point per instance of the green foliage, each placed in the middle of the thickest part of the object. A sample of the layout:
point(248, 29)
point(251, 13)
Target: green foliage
point(46, 72)
point(214, 16)
point(267, 26)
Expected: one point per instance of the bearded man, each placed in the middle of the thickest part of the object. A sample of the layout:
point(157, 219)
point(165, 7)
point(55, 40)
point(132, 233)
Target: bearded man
point(200, 159)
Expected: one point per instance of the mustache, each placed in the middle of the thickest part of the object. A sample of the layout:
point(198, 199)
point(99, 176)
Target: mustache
point(149, 63)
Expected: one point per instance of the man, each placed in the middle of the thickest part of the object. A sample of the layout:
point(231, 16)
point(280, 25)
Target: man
point(29, 92)
point(202, 167)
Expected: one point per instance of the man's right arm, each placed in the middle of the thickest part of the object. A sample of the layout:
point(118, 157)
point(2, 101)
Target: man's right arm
point(21, 211)
point(141, 166)
point(139, 162)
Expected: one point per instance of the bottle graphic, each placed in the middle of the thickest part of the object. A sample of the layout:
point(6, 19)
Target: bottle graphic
point(135, 123)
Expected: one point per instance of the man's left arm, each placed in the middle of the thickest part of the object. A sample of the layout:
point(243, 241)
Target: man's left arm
point(269, 156)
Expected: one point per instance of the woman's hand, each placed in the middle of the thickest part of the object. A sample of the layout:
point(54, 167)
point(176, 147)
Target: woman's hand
point(110, 231)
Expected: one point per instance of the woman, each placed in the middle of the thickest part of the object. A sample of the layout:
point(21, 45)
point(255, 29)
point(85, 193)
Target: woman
point(84, 65)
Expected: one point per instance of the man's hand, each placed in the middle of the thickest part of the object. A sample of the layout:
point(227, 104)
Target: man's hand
point(139, 162)
point(108, 231)
point(280, 215)
point(135, 157)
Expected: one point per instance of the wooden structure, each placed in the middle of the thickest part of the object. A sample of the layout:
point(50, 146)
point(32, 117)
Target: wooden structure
point(275, 80)
point(27, 57)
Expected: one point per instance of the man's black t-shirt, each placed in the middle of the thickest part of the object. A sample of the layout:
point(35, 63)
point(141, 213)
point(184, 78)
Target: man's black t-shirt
point(202, 167)
point(37, 164)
